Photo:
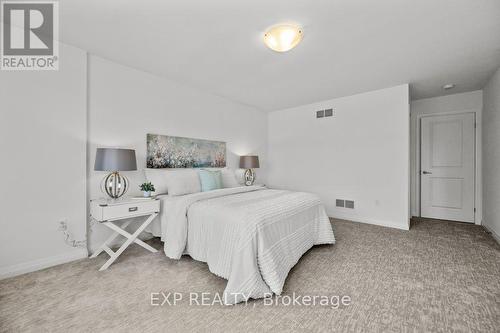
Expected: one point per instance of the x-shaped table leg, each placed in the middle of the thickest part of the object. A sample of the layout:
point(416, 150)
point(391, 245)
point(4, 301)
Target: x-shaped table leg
point(109, 240)
point(131, 238)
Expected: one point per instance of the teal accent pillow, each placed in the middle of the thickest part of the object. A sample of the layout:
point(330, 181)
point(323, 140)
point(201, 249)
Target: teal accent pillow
point(210, 180)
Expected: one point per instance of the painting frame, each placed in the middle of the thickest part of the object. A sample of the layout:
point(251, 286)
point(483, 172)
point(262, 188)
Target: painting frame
point(168, 152)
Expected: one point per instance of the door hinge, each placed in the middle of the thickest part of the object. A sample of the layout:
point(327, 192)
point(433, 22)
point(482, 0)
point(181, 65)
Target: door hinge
point(474, 209)
point(475, 125)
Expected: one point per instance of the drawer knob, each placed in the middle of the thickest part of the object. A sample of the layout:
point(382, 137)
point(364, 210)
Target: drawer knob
point(132, 209)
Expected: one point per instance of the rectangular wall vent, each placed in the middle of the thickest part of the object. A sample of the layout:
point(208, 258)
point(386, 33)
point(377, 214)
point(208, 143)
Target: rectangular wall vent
point(324, 113)
point(349, 204)
point(339, 203)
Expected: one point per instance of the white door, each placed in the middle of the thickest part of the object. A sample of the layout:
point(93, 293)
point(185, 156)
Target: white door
point(447, 167)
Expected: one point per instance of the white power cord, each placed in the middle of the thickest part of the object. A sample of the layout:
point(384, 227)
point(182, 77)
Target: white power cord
point(63, 227)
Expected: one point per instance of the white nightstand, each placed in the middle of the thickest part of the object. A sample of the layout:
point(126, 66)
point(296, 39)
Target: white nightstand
point(109, 211)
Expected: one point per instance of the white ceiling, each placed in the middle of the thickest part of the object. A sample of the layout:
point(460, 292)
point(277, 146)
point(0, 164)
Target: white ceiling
point(349, 46)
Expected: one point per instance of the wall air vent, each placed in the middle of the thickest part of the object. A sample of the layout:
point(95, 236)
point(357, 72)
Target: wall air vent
point(324, 113)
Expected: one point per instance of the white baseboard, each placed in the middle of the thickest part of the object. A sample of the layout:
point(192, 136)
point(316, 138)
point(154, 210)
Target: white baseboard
point(493, 233)
point(369, 221)
point(31, 266)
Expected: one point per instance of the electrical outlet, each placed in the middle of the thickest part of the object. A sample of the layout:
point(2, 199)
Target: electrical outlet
point(63, 226)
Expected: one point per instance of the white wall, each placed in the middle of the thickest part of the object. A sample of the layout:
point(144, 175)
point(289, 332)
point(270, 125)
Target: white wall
point(361, 154)
point(491, 155)
point(457, 103)
point(43, 145)
point(126, 104)
point(47, 119)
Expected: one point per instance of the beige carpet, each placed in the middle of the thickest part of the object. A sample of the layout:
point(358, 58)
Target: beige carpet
point(438, 277)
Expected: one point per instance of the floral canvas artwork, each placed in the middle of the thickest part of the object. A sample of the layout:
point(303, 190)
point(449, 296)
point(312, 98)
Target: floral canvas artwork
point(177, 152)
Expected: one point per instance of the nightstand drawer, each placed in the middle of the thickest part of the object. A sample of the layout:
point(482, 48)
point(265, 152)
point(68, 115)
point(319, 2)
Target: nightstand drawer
point(107, 212)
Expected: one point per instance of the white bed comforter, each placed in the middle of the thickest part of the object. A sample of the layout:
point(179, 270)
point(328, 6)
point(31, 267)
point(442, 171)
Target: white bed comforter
point(251, 236)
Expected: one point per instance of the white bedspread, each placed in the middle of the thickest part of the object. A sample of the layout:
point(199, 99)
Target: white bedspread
point(251, 236)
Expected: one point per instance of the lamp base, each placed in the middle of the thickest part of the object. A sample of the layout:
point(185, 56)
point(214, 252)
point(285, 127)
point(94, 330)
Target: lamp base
point(249, 177)
point(115, 185)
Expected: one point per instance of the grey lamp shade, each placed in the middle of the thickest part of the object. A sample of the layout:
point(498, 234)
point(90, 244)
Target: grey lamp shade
point(115, 159)
point(249, 162)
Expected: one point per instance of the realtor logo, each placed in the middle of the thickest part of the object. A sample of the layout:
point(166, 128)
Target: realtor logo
point(29, 36)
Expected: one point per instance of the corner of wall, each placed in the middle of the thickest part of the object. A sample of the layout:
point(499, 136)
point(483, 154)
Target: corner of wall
point(490, 156)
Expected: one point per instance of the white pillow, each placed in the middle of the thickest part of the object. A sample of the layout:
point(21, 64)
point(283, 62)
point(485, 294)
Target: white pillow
point(183, 181)
point(229, 178)
point(174, 181)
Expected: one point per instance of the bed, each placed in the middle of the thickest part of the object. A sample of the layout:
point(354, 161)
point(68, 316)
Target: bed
point(249, 235)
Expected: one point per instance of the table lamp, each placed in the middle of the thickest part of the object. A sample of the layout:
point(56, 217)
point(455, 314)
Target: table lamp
point(115, 160)
point(249, 163)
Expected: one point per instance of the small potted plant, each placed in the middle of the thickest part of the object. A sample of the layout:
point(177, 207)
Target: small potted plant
point(147, 188)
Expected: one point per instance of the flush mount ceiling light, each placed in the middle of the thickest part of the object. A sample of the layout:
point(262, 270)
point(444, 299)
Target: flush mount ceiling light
point(448, 86)
point(283, 37)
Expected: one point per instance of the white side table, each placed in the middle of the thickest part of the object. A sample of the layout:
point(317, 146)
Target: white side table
point(109, 211)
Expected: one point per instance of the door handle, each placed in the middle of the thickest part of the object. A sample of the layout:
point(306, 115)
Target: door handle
point(426, 173)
